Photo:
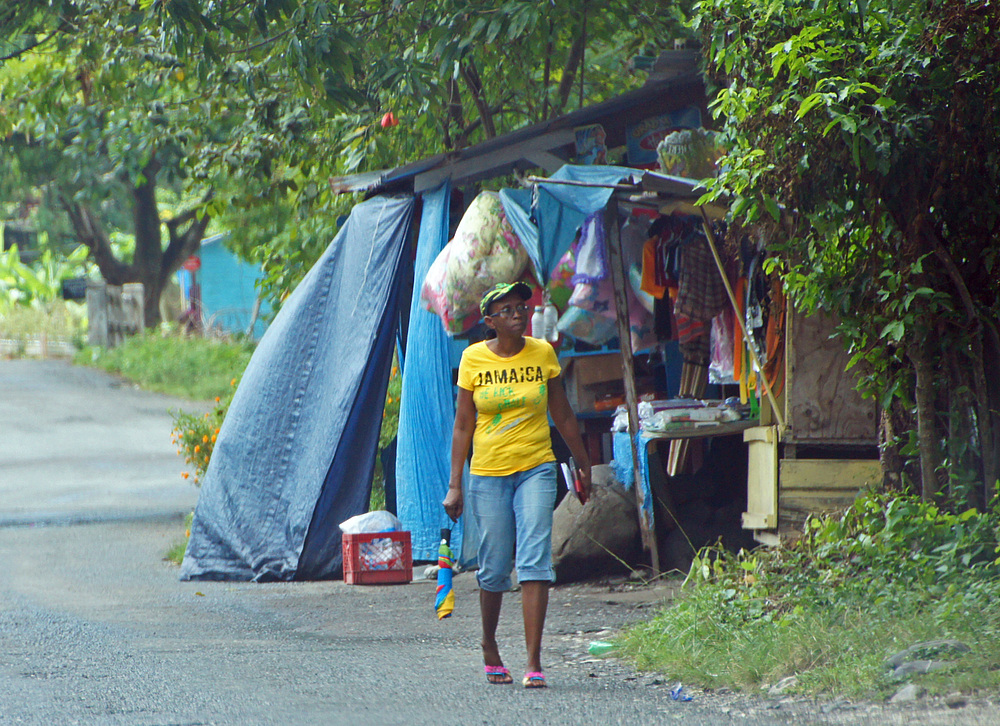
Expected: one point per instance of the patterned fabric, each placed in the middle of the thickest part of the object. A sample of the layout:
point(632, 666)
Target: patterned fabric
point(595, 297)
point(560, 287)
point(688, 328)
point(701, 294)
point(483, 252)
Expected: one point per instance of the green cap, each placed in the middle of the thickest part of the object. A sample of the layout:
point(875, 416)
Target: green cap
point(503, 289)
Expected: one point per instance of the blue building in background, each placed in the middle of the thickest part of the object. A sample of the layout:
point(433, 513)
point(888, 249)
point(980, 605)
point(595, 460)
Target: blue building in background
point(228, 290)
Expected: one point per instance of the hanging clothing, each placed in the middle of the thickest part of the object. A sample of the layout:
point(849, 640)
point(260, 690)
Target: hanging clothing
point(650, 281)
point(702, 293)
point(590, 251)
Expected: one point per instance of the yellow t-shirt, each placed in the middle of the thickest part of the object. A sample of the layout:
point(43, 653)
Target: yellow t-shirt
point(512, 404)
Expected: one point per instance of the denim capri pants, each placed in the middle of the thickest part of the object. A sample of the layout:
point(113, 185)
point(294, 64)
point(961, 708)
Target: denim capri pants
point(514, 510)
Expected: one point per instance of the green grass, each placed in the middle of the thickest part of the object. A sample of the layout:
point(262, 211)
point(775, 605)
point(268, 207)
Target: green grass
point(832, 608)
point(176, 553)
point(195, 368)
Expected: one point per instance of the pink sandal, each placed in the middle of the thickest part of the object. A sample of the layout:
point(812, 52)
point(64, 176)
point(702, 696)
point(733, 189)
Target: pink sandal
point(497, 675)
point(535, 679)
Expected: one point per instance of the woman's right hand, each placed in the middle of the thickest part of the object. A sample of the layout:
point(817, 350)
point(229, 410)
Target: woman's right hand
point(453, 503)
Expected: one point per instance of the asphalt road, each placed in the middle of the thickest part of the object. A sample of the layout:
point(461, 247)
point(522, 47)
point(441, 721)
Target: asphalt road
point(95, 627)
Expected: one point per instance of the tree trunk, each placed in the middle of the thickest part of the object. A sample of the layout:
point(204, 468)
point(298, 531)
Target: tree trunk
point(569, 70)
point(91, 234)
point(990, 411)
point(963, 457)
point(148, 262)
point(475, 85)
point(152, 265)
point(919, 354)
point(889, 456)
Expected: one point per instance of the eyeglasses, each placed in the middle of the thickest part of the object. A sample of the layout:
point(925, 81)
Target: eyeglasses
point(507, 311)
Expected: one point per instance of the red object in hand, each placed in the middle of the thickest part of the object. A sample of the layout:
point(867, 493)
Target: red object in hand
point(389, 120)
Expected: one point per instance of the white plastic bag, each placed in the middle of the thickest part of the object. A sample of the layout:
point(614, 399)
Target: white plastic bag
point(377, 521)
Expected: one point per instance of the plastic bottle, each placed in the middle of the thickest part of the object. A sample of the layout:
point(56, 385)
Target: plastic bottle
point(551, 317)
point(600, 647)
point(538, 323)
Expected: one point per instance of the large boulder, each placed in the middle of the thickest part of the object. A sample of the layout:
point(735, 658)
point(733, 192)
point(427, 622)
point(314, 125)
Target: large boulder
point(599, 538)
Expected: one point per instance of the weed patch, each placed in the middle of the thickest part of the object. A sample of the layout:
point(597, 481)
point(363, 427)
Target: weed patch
point(176, 553)
point(833, 606)
point(199, 369)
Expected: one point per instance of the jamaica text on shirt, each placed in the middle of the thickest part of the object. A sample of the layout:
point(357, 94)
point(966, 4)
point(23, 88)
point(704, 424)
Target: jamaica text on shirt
point(524, 374)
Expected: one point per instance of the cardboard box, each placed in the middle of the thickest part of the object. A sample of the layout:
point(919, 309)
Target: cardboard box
point(590, 378)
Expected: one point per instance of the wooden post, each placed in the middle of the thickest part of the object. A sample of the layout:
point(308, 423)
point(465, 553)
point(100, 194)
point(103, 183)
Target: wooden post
point(616, 260)
point(113, 295)
point(97, 313)
point(133, 308)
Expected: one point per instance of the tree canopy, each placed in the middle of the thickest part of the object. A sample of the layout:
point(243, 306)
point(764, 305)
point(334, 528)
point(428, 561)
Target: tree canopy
point(864, 138)
point(245, 105)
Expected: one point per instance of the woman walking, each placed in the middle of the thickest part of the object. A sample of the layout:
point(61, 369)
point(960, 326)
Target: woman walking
point(508, 386)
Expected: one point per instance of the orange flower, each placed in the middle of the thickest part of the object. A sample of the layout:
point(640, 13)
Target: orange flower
point(206, 457)
point(185, 474)
point(197, 448)
point(217, 431)
point(214, 437)
point(232, 382)
point(217, 399)
point(204, 439)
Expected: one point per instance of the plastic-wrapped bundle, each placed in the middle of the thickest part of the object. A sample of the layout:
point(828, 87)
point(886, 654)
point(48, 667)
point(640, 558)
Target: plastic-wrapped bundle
point(587, 326)
point(483, 252)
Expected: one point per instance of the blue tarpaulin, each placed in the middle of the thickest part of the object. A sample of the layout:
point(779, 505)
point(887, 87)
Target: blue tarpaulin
point(427, 402)
point(296, 453)
point(547, 220)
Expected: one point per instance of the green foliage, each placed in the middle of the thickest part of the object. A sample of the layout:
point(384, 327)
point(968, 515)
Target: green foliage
point(388, 431)
point(862, 141)
point(390, 412)
point(199, 369)
point(38, 283)
point(831, 607)
point(30, 307)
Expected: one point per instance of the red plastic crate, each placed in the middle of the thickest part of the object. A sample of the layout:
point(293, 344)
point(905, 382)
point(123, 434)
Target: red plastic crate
point(377, 558)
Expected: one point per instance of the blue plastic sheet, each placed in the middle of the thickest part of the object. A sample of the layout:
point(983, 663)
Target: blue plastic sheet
point(296, 453)
point(546, 221)
point(427, 403)
point(622, 466)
